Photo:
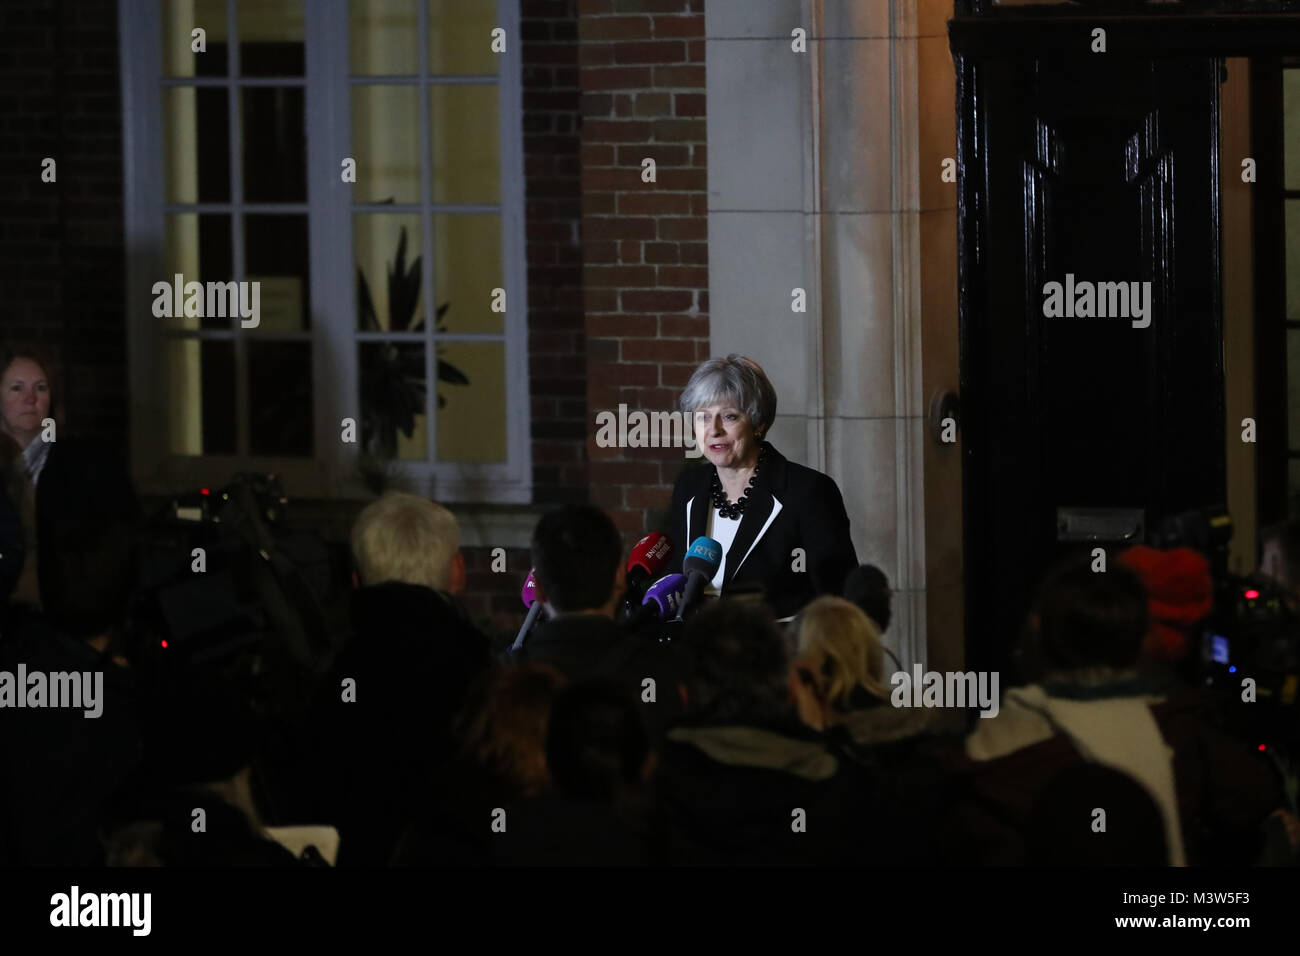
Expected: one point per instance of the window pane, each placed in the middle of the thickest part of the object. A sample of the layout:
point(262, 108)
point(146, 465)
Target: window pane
point(386, 143)
point(467, 268)
point(276, 249)
point(270, 37)
point(201, 397)
point(393, 400)
point(275, 144)
point(385, 37)
point(196, 140)
point(280, 398)
point(1291, 126)
point(460, 36)
point(471, 401)
point(1293, 388)
point(179, 19)
point(465, 143)
point(1293, 258)
point(199, 249)
point(390, 294)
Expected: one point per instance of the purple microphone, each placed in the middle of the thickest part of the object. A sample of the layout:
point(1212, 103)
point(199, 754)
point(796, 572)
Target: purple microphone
point(662, 599)
point(529, 596)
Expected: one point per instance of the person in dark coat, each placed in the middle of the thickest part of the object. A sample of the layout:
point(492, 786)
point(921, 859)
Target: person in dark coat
point(199, 741)
point(61, 769)
point(13, 547)
point(26, 403)
point(752, 500)
point(382, 722)
point(597, 812)
point(487, 806)
point(1091, 704)
point(578, 567)
point(840, 686)
point(740, 780)
point(48, 475)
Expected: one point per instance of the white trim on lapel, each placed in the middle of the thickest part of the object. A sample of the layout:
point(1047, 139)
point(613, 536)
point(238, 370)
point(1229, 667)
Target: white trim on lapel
point(686, 544)
point(776, 510)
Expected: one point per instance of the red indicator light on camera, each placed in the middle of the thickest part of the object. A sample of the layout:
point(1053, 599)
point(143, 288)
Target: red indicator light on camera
point(1251, 595)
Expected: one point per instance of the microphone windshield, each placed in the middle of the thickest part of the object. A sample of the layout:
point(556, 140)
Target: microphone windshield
point(651, 554)
point(705, 556)
point(699, 566)
point(665, 595)
point(529, 593)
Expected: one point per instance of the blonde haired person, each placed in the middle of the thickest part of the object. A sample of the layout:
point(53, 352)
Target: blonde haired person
point(840, 665)
point(382, 722)
point(838, 679)
point(840, 687)
point(408, 539)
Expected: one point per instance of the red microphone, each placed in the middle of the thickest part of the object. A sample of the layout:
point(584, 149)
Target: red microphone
point(648, 562)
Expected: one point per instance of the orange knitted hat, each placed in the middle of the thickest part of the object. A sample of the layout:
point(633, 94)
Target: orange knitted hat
point(1180, 593)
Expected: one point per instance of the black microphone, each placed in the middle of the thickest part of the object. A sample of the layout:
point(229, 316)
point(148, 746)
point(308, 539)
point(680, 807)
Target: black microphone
point(700, 565)
point(868, 588)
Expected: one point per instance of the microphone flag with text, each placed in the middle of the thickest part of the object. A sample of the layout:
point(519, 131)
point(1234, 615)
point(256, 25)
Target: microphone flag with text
point(661, 602)
point(699, 566)
point(647, 562)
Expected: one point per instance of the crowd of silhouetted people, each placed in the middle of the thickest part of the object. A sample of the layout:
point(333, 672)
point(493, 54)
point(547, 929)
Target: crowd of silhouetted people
point(741, 741)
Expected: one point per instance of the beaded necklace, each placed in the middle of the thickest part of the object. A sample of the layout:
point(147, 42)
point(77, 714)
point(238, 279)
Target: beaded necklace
point(734, 509)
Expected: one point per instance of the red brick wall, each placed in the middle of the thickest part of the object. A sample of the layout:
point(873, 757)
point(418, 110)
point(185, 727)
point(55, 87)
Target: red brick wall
point(556, 341)
point(492, 598)
point(617, 268)
point(61, 244)
point(644, 244)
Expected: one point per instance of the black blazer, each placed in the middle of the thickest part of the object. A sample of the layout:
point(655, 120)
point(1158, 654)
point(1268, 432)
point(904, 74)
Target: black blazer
point(13, 546)
point(84, 479)
point(790, 507)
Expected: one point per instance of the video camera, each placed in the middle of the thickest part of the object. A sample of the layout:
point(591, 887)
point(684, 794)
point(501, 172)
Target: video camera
point(225, 585)
point(1253, 632)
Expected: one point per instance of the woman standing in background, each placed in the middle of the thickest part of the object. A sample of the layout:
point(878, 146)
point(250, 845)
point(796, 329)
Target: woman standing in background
point(66, 480)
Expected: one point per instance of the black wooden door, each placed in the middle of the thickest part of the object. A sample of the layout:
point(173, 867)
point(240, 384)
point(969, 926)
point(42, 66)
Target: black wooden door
point(1085, 169)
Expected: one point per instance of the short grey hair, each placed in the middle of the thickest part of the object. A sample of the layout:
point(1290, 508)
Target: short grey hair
point(734, 379)
point(406, 538)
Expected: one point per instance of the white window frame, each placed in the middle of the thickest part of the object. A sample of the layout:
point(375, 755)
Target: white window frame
point(332, 263)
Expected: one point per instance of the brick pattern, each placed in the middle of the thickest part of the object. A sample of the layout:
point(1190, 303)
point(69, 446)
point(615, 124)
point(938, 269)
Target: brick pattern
point(556, 339)
point(61, 243)
point(492, 598)
point(645, 255)
point(617, 268)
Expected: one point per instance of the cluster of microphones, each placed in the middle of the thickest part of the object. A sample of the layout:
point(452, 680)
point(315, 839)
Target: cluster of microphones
point(652, 597)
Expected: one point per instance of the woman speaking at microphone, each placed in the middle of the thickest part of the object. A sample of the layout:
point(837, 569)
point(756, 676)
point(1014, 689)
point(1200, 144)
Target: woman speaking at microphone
point(783, 528)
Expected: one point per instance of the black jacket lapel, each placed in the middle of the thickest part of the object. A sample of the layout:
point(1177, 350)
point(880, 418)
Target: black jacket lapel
point(771, 482)
point(753, 521)
point(699, 509)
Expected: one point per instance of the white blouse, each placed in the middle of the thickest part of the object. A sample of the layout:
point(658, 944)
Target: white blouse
point(723, 531)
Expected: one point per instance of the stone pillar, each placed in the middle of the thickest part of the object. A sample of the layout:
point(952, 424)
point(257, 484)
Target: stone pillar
point(825, 175)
